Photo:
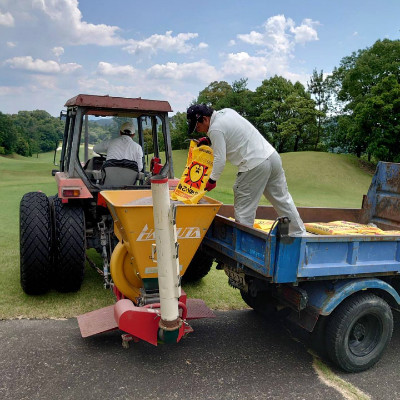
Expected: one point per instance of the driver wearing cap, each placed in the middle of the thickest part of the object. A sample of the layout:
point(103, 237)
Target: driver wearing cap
point(123, 147)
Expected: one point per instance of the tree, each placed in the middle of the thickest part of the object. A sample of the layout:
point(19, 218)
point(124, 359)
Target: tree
point(214, 92)
point(317, 88)
point(8, 134)
point(239, 98)
point(366, 84)
point(285, 114)
point(300, 127)
point(22, 147)
point(39, 129)
point(178, 130)
point(379, 114)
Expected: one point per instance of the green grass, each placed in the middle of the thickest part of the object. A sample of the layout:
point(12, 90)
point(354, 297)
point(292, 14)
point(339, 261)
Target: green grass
point(314, 179)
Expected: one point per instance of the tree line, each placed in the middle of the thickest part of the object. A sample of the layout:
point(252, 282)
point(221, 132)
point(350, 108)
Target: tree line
point(356, 109)
point(33, 132)
point(29, 132)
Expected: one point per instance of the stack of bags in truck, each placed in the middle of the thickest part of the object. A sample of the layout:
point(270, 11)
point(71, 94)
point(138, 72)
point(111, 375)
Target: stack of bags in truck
point(332, 228)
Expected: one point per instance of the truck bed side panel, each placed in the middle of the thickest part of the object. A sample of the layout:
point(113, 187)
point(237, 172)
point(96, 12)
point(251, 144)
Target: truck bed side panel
point(240, 245)
point(327, 256)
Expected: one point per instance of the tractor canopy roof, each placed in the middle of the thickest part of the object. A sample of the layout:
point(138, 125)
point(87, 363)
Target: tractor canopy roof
point(108, 105)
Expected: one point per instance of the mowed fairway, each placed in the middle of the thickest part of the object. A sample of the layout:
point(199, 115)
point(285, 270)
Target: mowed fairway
point(314, 179)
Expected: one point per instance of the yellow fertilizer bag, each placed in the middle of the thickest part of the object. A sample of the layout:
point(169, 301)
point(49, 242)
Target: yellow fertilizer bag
point(361, 228)
point(390, 233)
point(346, 223)
point(322, 228)
point(190, 188)
point(263, 224)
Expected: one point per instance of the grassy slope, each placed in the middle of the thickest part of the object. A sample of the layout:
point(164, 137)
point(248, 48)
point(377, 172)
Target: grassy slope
point(314, 179)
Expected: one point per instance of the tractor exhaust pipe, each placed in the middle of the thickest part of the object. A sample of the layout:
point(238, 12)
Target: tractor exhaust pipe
point(166, 251)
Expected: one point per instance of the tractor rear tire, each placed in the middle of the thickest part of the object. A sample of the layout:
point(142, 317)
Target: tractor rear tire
point(198, 268)
point(35, 243)
point(70, 246)
point(359, 331)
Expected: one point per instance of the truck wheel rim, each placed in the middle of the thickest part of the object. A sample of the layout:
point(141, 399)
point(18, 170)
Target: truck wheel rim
point(365, 335)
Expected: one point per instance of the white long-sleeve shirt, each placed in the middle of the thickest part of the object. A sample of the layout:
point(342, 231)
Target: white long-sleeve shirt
point(235, 139)
point(121, 148)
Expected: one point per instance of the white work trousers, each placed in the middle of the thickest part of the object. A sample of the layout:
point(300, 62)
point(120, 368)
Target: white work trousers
point(267, 178)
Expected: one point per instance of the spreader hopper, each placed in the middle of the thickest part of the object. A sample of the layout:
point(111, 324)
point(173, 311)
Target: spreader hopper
point(134, 261)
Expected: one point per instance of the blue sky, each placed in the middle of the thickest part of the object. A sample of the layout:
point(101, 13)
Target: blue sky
point(52, 50)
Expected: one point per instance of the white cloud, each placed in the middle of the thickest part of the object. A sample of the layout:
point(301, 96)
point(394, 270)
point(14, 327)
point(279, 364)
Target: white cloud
point(6, 19)
point(258, 68)
point(69, 67)
point(176, 94)
point(11, 90)
point(305, 32)
point(58, 51)
point(11, 44)
point(276, 38)
point(252, 38)
point(67, 21)
point(44, 82)
point(280, 34)
point(107, 69)
point(275, 43)
point(199, 70)
point(27, 63)
point(167, 43)
point(242, 64)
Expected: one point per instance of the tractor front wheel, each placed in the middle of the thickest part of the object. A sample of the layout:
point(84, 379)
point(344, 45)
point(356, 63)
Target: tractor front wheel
point(35, 243)
point(70, 246)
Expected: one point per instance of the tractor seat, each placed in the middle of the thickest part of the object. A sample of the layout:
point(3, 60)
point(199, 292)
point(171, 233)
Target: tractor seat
point(118, 173)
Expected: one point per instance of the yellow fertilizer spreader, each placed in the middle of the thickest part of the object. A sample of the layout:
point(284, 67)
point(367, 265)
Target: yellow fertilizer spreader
point(157, 241)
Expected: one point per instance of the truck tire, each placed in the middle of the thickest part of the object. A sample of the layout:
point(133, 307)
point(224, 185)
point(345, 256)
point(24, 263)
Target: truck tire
point(35, 243)
point(198, 268)
point(70, 246)
point(261, 303)
point(318, 336)
point(359, 331)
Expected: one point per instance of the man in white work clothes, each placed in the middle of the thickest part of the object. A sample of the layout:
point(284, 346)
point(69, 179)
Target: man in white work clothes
point(260, 171)
point(123, 147)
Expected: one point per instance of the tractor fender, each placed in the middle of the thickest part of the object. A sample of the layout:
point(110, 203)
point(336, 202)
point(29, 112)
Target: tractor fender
point(75, 185)
point(324, 298)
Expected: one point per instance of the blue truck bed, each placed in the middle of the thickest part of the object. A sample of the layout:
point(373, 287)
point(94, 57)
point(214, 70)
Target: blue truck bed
point(340, 288)
point(303, 258)
point(310, 257)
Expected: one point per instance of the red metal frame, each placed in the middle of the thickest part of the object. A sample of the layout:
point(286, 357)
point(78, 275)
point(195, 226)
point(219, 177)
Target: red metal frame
point(140, 323)
point(63, 182)
point(118, 103)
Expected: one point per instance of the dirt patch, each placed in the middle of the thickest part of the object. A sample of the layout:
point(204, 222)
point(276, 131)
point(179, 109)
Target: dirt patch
point(367, 166)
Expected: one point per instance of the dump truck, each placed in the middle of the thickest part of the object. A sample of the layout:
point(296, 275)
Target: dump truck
point(342, 288)
point(56, 231)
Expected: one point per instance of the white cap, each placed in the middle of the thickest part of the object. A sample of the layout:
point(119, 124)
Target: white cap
point(127, 126)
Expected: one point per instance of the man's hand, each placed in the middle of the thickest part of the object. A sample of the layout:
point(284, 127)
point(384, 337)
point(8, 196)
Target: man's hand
point(210, 185)
point(204, 141)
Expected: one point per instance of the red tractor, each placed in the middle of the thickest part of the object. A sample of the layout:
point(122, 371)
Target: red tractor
point(55, 231)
